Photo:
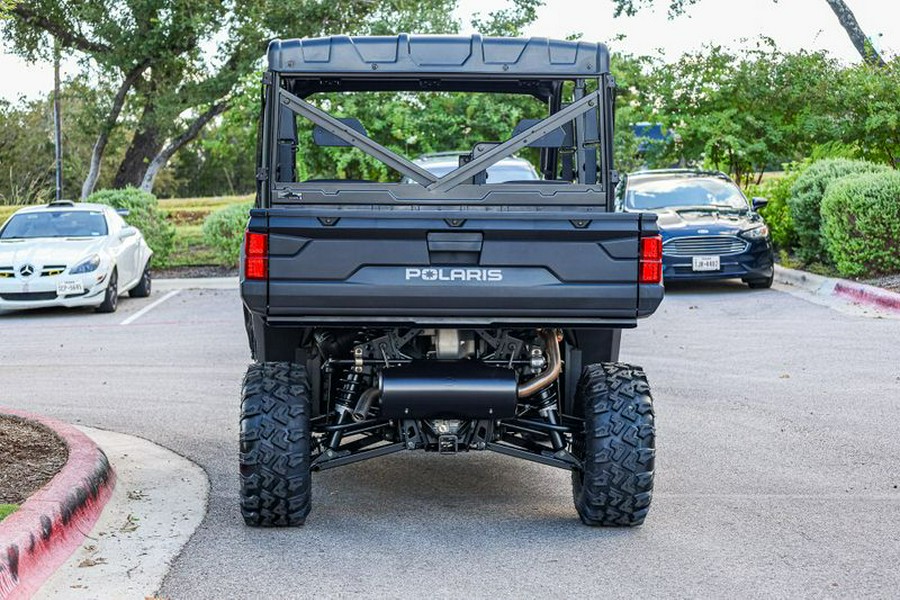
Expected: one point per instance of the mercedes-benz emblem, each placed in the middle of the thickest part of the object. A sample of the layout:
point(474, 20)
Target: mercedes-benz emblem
point(26, 270)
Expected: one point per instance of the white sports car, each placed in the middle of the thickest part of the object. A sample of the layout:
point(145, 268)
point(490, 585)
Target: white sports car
point(68, 254)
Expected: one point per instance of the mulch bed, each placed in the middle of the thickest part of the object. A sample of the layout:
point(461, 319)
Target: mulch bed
point(201, 271)
point(30, 455)
point(889, 282)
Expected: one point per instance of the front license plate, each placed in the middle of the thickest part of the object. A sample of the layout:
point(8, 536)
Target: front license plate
point(706, 263)
point(65, 288)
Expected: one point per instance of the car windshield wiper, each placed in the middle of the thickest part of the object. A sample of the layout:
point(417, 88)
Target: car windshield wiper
point(709, 208)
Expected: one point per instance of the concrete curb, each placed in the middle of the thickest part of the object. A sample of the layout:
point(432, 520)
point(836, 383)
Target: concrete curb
point(843, 288)
point(40, 536)
point(197, 283)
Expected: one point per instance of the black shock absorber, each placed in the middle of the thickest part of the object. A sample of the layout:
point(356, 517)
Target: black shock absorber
point(347, 396)
point(548, 407)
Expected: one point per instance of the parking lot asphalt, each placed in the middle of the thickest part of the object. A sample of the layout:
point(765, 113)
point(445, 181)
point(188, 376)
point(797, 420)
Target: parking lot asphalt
point(776, 468)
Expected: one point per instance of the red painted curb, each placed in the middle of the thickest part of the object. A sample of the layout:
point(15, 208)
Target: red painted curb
point(39, 537)
point(868, 294)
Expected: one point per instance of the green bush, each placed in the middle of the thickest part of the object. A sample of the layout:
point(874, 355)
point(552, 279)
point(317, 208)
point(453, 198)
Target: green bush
point(806, 199)
point(777, 190)
point(223, 231)
point(145, 214)
point(861, 224)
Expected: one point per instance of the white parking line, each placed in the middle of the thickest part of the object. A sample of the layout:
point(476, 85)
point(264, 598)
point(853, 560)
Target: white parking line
point(148, 308)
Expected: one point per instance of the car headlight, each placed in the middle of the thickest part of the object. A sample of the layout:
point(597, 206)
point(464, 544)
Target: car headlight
point(756, 233)
point(86, 266)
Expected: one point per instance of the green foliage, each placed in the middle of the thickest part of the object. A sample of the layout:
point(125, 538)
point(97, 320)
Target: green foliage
point(806, 200)
point(871, 115)
point(410, 124)
point(223, 231)
point(777, 190)
point(7, 509)
point(145, 214)
point(510, 21)
point(742, 112)
point(861, 223)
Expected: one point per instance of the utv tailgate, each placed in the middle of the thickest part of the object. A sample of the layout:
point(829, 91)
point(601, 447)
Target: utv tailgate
point(427, 265)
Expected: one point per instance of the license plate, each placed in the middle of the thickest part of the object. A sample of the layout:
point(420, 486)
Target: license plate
point(65, 288)
point(706, 263)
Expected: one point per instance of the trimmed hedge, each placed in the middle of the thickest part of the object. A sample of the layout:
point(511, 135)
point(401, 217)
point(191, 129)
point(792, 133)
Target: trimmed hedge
point(145, 214)
point(861, 224)
point(223, 231)
point(806, 200)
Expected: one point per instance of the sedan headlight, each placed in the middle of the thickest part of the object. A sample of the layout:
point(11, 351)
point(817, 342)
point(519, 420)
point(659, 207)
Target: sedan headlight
point(86, 266)
point(756, 233)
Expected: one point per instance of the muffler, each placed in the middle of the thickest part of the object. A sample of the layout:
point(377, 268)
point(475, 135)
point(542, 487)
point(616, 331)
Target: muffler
point(448, 390)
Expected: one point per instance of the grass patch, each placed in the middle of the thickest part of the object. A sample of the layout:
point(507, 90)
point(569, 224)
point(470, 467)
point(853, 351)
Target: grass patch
point(188, 214)
point(6, 212)
point(190, 249)
point(7, 509)
point(791, 261)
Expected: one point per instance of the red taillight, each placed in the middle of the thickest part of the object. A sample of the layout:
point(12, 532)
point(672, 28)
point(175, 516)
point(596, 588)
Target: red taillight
point(256, 259)
point(650, 270)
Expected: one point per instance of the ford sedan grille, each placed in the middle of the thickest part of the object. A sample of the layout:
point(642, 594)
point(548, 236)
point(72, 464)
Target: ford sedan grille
point(711, 245)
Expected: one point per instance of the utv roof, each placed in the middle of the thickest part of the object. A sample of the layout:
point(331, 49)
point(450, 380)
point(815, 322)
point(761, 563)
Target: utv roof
point(439, 55)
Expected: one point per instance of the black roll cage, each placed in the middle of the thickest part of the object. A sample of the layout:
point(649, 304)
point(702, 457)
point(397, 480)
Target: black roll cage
point(592, 139)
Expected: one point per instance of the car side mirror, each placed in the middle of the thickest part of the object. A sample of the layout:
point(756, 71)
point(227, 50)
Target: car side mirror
point(123, 212)
point(127, 232)
point(759, 203)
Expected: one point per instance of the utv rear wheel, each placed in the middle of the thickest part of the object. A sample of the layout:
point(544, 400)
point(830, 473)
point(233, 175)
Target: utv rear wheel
point(617, 448)
point(275, 445)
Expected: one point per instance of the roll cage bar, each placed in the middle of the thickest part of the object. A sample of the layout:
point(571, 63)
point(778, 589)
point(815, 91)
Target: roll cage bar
point(591, 137)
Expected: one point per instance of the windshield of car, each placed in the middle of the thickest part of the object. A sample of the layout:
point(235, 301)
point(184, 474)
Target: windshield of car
point(656, 193)
point(54, 224)
point(497, 173)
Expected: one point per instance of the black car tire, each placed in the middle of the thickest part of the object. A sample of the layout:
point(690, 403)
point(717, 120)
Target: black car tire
point(275, 445)
point(761, 284)
point(111, 296)
point(142, 289)
point(617, 449)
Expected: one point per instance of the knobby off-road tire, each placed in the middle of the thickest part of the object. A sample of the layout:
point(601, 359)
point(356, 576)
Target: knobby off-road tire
point(275, 445)
point(618, 446)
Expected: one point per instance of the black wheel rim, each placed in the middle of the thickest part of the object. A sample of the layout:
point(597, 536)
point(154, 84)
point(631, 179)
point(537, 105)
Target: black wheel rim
point(113, 290)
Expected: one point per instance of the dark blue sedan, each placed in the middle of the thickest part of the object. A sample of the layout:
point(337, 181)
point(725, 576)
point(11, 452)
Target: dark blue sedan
point(709, 229)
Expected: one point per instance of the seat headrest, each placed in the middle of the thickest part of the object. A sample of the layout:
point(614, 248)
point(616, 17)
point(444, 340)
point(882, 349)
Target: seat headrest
point(325, 138)
point(558, 138)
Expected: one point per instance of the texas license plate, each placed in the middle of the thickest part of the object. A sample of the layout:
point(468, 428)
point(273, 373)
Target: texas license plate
point(706, 263)
point(66, 288)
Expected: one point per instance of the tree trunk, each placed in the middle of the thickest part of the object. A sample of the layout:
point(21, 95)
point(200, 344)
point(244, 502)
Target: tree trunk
point(90, 182)
point(145, 145)
point(162, 157)
point(848, 21)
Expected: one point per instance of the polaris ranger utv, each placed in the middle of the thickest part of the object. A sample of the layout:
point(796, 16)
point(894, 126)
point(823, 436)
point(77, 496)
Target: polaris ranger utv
point(444, 313)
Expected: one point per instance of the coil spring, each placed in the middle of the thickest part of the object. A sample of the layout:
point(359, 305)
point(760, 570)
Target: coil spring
point(348, 388)
point(546, 398)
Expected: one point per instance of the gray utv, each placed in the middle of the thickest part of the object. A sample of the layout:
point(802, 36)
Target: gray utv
point(444, 313)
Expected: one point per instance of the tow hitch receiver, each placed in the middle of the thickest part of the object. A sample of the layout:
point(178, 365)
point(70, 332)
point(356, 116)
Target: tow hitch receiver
point(448, 444)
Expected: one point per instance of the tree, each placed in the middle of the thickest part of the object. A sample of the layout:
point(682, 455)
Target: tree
point(843, 13)
point(177, 63)
point(743, 113)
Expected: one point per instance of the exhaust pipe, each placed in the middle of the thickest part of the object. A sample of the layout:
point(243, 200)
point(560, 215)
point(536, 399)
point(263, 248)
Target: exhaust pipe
point(551, 373)
point(364, 404)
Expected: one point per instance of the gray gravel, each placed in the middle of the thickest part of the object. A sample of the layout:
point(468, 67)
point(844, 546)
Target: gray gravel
point(776, 470)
